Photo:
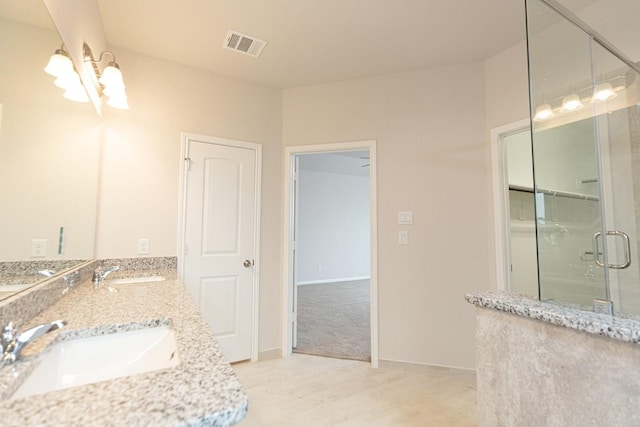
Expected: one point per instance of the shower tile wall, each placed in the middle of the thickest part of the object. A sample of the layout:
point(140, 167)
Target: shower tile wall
point(524, 262)
point(633, 113)
point(570, 273)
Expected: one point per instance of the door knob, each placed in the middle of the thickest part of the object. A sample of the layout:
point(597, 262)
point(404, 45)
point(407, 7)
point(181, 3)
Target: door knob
point(247, 263)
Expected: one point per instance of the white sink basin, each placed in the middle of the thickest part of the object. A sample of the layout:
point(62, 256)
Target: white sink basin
point(126, 280)
point(94, 359)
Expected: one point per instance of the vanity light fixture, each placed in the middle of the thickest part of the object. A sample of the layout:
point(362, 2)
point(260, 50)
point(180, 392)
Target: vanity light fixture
point(571, 102)
point(108, 82)
point(543, 112)
point(603, 92)
point(61, 67)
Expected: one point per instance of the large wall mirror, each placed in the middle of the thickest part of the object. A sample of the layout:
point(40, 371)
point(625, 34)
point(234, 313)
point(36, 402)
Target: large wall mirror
point(49, 156)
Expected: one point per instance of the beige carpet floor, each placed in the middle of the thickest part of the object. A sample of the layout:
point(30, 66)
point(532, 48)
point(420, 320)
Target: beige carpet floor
point(334, 320)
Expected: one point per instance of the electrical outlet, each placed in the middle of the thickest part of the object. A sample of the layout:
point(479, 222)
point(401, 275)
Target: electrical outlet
point(39, 248)
point(143, 246)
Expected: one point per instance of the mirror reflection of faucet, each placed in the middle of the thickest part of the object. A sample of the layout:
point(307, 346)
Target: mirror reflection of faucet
point(46, 273)
point(70, 280)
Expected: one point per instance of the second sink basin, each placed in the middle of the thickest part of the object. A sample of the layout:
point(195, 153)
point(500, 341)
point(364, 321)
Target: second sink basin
point(100, 358)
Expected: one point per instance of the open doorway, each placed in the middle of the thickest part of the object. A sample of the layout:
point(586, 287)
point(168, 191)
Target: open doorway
point(514, 208)
point(330, 289)
point(331, 256)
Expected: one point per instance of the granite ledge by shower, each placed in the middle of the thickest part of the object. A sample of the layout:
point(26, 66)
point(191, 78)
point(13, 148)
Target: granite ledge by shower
point(201, 390)
point(618, 328)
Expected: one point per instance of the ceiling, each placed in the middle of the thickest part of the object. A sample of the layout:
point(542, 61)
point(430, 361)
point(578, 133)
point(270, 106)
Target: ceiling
point(308, 41)
point(355, 163)
point(315, 41)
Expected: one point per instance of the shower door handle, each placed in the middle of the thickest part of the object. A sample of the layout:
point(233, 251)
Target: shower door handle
point(626, 248)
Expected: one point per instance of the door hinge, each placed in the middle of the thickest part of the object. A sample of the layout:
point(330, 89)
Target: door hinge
point(185, 250)
point(187, 161)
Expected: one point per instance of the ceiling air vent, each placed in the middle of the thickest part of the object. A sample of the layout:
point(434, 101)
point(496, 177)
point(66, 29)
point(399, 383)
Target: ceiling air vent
point(244, 44)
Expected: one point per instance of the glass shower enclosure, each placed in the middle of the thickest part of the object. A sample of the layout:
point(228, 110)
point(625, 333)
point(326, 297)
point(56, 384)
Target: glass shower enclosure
point(585, 109)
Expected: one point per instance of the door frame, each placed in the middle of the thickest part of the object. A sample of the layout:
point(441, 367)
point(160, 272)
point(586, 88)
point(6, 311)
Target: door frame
point(287, 216)
point(500, 179)
point(255, 302)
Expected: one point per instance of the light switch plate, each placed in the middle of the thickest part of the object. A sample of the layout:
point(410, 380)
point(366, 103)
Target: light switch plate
point(603, 307)
point(405, 217)
point(403, 237)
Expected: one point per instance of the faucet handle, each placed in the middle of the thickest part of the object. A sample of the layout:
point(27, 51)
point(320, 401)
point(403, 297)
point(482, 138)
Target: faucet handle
point(8, 335)
point(9, 331)
point(97, 275)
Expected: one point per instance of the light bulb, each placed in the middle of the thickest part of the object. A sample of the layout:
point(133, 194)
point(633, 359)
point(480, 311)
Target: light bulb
point(76, 93)
point(571, 103)
point(68, 80)
point(111, 76)
point(114, 92)
point(59, 64)
point(119, 102)
point(602, 92)
point(543, 112)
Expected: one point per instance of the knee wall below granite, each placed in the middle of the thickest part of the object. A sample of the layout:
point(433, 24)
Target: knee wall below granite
point(530, 372)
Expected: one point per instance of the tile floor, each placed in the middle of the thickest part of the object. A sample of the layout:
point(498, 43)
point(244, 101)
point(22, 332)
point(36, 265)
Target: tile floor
point(307, 391)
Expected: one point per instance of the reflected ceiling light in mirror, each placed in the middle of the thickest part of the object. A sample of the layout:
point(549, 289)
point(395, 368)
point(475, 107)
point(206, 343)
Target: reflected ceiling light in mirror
point(543, 112)
point(76, 93)
point(109, 82)
point(571, 102)
point(603, 92)
point(61, 67)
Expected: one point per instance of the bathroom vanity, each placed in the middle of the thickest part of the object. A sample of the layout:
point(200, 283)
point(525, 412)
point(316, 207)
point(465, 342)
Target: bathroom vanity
point(543, 364)
point(201, 389)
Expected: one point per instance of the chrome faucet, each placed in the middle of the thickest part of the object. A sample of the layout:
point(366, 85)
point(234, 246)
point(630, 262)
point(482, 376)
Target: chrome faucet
point(47, 273)
point(100, 274)
point(12, 343)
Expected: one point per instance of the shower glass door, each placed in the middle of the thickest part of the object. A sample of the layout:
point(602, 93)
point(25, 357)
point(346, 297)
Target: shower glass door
point(585, 123)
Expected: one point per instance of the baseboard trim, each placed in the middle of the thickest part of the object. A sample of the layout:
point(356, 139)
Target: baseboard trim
point(274, 353)
point(343, 279)
point(452, 370)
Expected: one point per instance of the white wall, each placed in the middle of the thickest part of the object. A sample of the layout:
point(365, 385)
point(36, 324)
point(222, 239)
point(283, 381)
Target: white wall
point(141, 162)
point(519, 161)
point(433, 159)
point(616, 21)
point(506, 86)
point(333, 224)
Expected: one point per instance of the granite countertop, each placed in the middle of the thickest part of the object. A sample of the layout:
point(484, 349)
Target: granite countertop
point(201, 390)
point(619, 328)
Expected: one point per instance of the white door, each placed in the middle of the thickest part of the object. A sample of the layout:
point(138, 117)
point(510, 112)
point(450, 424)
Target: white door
point(220, 240)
